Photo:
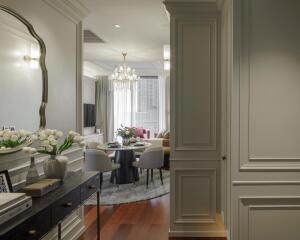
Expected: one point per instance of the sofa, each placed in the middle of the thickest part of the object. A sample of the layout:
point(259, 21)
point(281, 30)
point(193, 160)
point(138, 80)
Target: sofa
point(142, 133)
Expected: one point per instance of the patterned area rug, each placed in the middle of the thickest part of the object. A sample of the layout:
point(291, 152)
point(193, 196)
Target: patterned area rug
point(127, 193)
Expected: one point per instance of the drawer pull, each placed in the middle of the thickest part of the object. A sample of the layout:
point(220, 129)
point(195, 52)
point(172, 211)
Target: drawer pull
point(69, 204)
point(32, 232)
point(92, 186)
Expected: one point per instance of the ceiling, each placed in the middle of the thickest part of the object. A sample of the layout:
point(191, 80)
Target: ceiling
point(143, 32)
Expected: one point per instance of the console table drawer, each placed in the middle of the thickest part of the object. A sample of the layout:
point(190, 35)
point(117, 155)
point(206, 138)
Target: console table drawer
point(89, 187)
point(33, 229)
point(65, 206)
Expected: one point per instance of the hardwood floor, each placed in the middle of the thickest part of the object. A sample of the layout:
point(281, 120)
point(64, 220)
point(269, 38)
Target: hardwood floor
point(146, 220)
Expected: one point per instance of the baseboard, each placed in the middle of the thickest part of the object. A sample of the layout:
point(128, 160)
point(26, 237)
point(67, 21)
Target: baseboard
point(228, 235)
point(197, 233)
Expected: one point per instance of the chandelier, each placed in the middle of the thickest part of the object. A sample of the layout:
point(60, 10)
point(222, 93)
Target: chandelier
point(124, 75)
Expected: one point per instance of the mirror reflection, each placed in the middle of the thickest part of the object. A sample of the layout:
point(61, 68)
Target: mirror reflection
point(21, 77)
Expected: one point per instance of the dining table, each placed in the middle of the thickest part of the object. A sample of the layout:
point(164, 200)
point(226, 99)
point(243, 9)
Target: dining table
point(125, 156)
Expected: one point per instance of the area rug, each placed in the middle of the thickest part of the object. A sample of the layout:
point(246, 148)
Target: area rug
point(128, 193)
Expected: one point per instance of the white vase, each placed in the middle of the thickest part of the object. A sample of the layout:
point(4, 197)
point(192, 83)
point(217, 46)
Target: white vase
point(56, 167)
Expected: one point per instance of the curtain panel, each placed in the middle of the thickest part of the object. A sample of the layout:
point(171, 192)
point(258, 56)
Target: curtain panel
point(105, 107)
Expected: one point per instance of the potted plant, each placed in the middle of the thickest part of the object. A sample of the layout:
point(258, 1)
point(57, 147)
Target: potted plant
point(56, 165)
point(126, 133)
point(11, 140)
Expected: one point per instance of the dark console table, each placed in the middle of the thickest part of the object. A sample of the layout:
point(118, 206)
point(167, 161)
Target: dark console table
point(49, 210)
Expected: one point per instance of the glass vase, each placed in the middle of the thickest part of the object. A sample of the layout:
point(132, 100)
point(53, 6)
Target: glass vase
point(126, 141)
point(32, 174)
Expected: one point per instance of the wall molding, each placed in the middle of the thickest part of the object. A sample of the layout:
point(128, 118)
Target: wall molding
point(243, 43)
point(204, 234)
point(195, 218)
point(182, 144)
point(74, 10)
point(248, 204)
point(264, 183)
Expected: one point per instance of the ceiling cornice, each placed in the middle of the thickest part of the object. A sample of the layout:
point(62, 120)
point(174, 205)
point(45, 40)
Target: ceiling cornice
point(74, 10)
point(191, 6)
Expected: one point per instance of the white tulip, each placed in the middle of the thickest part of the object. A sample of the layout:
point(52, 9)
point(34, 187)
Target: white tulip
point(49, 148)
point(14, 138)
point(46, 143)
point(42, 137)
point(51, 137)
point(42, 132)
point(6, 136)
point(53, 142)
point(72, 133)
point(77, 139)
point(48, 132)
point(34, 137)
point(127, 132)
point(3, 148)
point(59, 134)
point(82, 144)
point(1, 133)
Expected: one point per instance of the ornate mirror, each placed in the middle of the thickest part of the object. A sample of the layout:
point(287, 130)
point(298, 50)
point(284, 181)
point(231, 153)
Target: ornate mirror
point(23, 79)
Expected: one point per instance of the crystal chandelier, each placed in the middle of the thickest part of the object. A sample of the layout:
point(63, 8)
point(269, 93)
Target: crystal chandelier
point(124, 75)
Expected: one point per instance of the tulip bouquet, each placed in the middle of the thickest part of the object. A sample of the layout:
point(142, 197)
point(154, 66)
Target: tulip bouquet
point(50, 144)
point(10, 139)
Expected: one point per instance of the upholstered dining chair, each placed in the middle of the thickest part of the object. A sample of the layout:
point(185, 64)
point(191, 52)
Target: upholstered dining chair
point(97, 160)
point(152, 158)
point(92, 145)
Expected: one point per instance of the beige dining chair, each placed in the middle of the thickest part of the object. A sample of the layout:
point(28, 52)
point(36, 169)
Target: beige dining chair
point(97, 160)
point(152, 158)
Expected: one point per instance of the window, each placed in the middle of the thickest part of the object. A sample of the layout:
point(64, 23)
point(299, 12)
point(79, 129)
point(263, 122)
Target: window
point(140, 105)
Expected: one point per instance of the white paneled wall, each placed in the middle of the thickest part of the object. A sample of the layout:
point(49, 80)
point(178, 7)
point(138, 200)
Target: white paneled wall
point(195, 120)
point(265, 120)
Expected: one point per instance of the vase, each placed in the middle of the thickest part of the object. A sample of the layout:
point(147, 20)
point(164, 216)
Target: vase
point(126, 141)
point(56, 167)
point(32, 175)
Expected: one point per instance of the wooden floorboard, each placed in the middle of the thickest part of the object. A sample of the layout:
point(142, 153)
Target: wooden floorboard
point(146, 220)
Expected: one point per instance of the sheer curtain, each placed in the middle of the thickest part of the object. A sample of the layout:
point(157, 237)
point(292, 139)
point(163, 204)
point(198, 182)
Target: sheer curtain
point(124, 105)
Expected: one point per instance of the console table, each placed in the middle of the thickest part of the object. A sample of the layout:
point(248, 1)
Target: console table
point(49, 210)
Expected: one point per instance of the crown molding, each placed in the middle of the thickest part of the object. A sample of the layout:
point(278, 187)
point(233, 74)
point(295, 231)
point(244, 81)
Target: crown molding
point(74, 10)
point(191, 6)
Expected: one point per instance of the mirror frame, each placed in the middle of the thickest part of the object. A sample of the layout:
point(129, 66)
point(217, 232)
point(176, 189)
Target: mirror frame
point(42, 61)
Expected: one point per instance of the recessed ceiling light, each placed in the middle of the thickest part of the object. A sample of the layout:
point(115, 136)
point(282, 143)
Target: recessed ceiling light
point(117, 26)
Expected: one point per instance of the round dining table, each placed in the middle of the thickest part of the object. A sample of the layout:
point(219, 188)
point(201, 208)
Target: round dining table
point(125, 156)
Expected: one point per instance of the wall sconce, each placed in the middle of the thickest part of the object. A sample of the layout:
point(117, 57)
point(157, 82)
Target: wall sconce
point(167, 64)
point(33, 58)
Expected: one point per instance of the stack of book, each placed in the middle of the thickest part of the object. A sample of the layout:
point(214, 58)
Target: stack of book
point(12, 204)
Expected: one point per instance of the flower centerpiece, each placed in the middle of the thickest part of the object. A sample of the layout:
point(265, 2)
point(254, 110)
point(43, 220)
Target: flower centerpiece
point(50, 144)
point(11, 140)
point(126, 133)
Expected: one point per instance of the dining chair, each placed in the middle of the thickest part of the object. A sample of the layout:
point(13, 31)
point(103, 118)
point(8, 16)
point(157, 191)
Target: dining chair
point(152, 158)
point(92, 145)
point(97, 160)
